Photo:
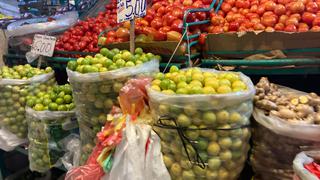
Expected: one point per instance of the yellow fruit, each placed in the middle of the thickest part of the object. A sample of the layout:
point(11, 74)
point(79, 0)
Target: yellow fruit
point(209, 90)
point(156, 88)
point(224, 82)
point(235, 117)
point(213, 149)
point(239, 84)
point(224, 89)
point(232, 77)
point(222, 116)
point(195, 83)
point(182, 85)
point(214, 83)
point(167, 76)
point(168, 92)
point(209, 74)
point(197, 76)
point(156, 82)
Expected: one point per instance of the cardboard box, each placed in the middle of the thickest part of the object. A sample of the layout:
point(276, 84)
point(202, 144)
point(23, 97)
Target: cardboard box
point(231, 45)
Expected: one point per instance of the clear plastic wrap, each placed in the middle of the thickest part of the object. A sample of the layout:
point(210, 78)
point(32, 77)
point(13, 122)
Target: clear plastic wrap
point(203, 136)
point(96, 93)
point(272, 160)
point(36, 25)
point(13, 93)
point(46, 133)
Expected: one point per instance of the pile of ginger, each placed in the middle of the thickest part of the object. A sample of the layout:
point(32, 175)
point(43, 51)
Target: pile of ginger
point(290, 106)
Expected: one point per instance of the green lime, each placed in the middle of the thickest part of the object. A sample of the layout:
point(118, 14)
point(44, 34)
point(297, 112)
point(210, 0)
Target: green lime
point(59, 101)
point(62, 108)
point(46, 102)
point(53, 106)
point(31, 102)
point(48, 69)
point(67, 98)
point(104, 51)
point(115, 50)
point(138, 51)
point(38, 107)
point(107, 63)
point(72, 65)
point(61, 94)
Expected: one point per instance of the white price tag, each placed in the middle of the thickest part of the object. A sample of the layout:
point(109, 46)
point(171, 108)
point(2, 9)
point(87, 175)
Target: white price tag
point(128, 9)
point(43, 45)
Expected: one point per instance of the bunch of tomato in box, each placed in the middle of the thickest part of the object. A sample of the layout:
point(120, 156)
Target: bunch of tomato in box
point(84, 35)
point(163, 21)
point(266, 15)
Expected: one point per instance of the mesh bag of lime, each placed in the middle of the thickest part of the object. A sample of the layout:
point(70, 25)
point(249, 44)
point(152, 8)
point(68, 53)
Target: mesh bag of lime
point(202, 118)
point(96, 83)
point(17, 84)
point(50, 120)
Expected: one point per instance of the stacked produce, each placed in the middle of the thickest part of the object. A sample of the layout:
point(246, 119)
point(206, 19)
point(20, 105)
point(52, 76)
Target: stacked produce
point(288, 117)
point(266, 15)
point(17, 84)
point(201, 116)
point(96, 82)
point(49, 122)
point(84, 35)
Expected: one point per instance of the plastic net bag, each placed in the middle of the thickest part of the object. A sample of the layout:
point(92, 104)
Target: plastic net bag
point(304, 159)
point(203, 136)
point(272, 160)
point(47, 131)
point(96, 93)
point(14, 93)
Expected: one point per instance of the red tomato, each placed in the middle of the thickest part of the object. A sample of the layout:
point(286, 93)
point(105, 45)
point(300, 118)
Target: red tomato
point(160, 36)
point(308, 17)
point(283, 19)
point(110, 40)
point(233, 26)
point(290, 28)
point(177, 12)
point(174, 36)
point(122, 33)
point(225, 7)
point(231, 2)
point(254, 8)
point(270, 5)
point(156, 6)
point(148, 17)
point(259, 27)
point(280, 9)
point(293, 21)
point(165, 29)
point(197, 4)
point(201, 16)
point(315, 29)
point(156, 23)
point(242, 4)
point(296, 15)
point(217, 30)
point(269, 29)
point(111, 34)
point(312, 7)
point(268, 20)
point(217, 20)
point(161, 10)
point(316, 21)
point(202, 38)
point(169, 18)
point(261, 10)
point(303, 27)
point(177, 25)
point(279, 27)
point(296, 7)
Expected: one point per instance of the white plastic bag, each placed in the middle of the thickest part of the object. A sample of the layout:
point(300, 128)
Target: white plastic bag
point(132, 162)
point(8, 140)
point(298, 166)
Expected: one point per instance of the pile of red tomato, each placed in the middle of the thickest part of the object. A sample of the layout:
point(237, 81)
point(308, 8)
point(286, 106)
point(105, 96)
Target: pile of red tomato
point(266, 15)
point(84, 35)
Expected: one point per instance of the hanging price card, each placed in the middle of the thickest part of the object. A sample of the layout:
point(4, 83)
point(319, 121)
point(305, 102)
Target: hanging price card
point(43, 45)
point(128, 9)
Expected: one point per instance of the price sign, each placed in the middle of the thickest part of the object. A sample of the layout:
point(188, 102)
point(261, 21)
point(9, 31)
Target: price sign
point(43, 45)
point(128, 9)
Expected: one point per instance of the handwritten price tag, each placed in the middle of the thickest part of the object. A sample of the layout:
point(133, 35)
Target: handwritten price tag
point(43, 45)
point(128, 9)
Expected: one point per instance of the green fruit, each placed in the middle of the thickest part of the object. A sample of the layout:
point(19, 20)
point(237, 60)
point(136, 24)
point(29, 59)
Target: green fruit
point(129, 64)
point(209, 118)
point(59, 101)
point(174, 69)
point(225, 142)
point(72, 65)
point(107, 63)
point(126, 56)
point(175, 169)
point(120, 63)
point(62, 108)
point(214, 163)
point(199, 171)
point(188, 175)
point(165, 84)
point(225, 155)
point(53, 106)
point(38, 107)
point(104, 51)
point(67, 98)
point(192, 134)
point(202, 144)
point(168, 161)
point(183, 121)
point(211, 175)
point(213, 149)
point(138, 51)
